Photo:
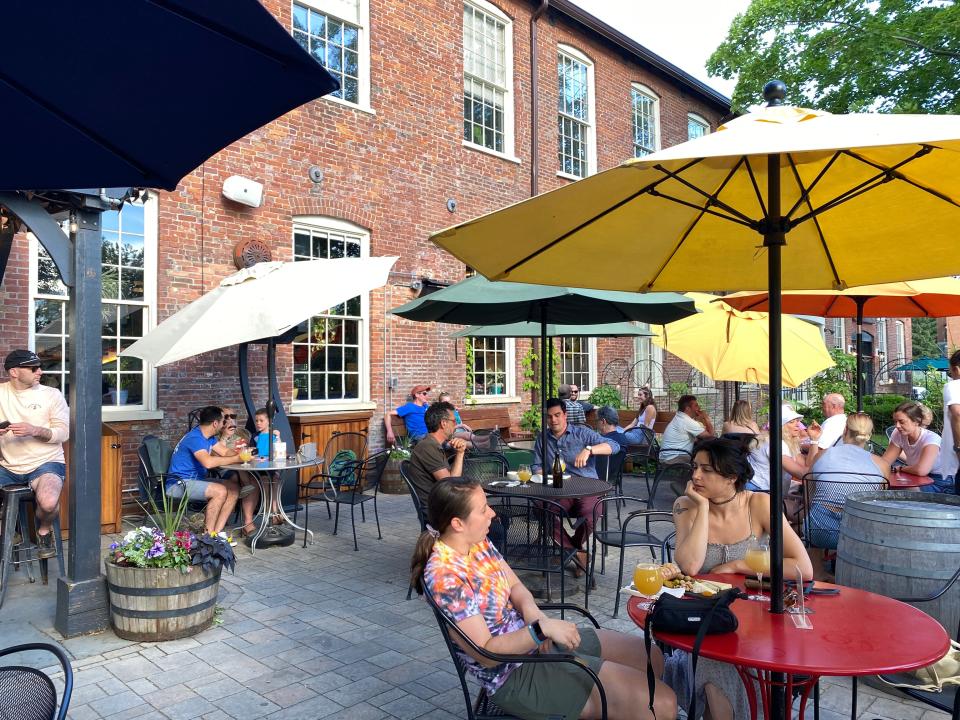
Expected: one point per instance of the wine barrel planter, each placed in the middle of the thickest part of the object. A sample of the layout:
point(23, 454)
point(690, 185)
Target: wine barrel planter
point(391, 482)
point(900, 543)
point(154, 604)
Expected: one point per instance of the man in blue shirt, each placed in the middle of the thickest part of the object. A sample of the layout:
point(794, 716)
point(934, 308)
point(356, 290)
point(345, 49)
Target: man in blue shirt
point(609, 425)
point(411, 413)
point(578, 445)
point(199, 452)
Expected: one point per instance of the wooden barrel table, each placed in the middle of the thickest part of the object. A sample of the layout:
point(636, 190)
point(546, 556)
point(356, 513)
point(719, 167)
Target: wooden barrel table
point(900, 544)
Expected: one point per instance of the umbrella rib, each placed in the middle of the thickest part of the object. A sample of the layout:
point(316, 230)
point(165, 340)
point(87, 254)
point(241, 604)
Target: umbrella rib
point(586, 223)
point(805, 197)
point(925, 150)
point(805, 193)
point(711, 199)
point(756, 187)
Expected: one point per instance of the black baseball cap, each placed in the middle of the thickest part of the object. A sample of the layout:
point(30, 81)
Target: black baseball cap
point(21, 358)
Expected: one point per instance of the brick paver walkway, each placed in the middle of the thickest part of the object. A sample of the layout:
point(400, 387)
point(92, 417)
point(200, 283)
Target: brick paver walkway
point(322, 632)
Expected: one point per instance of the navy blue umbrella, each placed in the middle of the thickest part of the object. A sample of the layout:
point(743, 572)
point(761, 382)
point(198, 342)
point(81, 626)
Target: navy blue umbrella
point(139, 93)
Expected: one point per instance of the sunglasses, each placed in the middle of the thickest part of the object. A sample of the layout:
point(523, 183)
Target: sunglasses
point(31, 368)
point(229, 416)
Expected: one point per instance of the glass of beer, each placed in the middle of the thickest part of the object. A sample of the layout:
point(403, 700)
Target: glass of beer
point(647, 578)
point(758, 560)
point(524, 474)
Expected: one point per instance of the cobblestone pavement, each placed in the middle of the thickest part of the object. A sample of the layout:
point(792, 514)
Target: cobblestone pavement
point(321, 632)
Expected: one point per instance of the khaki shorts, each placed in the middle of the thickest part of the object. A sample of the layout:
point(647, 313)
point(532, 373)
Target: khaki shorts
point(544, 691)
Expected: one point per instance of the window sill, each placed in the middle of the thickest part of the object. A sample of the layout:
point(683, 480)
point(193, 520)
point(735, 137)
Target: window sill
point(492, 400)
point(568, 176)
point(118, 414)
point(487, 151)
point(352, 106)
point(302, 407)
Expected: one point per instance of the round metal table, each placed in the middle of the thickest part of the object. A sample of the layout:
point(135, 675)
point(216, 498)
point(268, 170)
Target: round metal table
point(902, 480)
point(573, 487)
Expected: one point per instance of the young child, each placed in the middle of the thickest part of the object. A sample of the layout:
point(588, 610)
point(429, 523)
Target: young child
point(260, 443)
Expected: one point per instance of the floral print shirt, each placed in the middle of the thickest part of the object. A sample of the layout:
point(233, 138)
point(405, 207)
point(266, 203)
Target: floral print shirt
point(474, 584)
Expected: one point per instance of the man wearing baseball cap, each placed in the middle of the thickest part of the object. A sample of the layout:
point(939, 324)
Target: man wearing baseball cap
point(31, 445)
point(412, 413)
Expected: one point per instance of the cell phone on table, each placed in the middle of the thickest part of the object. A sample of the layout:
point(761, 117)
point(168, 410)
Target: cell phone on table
point(4, 424)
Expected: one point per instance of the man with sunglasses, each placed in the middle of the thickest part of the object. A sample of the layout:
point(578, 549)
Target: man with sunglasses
point(36, 423)
point(412, 413)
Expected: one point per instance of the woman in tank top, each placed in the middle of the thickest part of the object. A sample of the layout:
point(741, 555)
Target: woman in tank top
point(919, 447)
point(715, 520)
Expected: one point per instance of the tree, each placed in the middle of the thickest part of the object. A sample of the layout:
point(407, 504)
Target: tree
point(925, 338)
point(847, 55)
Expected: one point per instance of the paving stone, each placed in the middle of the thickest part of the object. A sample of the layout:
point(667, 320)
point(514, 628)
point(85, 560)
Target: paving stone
point(312, 709)
point(246, 704)
point(169, 696)
point(358, 691)
point(407, 708)
point(389, 659)
point(360, 711)
point(135, 667)
point(116, 703)
point(264, 684)
point(290, 695)
point(83, 712)
point(189, 709)
point(219, 689)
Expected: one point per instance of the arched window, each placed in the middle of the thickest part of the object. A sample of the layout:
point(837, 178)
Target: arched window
point(696, 126)
point(646, 120)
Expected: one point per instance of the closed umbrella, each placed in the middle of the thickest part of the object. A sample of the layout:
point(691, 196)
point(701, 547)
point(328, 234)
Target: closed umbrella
point(937, 297)
point(728, 344)
point(838, 197)
point(477, 300)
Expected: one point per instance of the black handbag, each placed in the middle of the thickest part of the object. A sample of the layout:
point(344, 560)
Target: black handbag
point(695, 616)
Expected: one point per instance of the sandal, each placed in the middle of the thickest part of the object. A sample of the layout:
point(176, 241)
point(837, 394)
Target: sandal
point(243, 532)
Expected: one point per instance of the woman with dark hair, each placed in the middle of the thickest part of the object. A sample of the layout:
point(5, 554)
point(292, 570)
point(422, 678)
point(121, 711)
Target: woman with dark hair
point(472, 583)
point(716, 520)
point(918, 446)
point(648, 410)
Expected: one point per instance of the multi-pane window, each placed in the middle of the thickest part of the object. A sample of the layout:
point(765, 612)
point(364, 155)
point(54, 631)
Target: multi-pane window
point(648, 365)
point(334, 43)
point(126, 249)
point(838, 333)
point(901, 341)
point(490, 358)
point(327, 348)
point(644, 122)
point(575, 362)
point(882, 347)
point(696, 126)
point(574, 114)
point(486, 77)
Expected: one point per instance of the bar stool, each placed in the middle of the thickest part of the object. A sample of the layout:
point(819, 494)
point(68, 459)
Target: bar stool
point(13, 501)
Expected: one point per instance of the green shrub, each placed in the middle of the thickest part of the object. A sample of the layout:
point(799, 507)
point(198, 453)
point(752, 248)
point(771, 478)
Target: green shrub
point(606, 395)
point(880, 409)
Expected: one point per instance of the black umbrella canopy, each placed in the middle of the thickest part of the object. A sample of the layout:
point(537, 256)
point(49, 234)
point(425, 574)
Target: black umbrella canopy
point(478, 301)
point(139, 93)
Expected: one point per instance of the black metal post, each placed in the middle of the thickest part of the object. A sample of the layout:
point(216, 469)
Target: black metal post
point(543, 389)
point(81, 596)
point(860, 301)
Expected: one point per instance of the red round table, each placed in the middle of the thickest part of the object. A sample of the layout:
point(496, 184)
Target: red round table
point(903, 481)
point(854, 633)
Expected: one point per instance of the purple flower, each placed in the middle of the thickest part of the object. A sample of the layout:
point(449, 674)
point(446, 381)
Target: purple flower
point(156, 551)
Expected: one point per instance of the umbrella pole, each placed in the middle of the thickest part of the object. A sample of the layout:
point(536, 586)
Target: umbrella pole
point(543, 389)
point(861, 301)
point(271, 378)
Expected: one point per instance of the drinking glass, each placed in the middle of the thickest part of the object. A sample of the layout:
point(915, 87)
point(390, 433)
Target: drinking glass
point(524, 474)
point(246, 455)
point(647, 578)
point(758, 560)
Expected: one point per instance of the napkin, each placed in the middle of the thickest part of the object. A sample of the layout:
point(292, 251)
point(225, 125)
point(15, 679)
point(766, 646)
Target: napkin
point(631, 590)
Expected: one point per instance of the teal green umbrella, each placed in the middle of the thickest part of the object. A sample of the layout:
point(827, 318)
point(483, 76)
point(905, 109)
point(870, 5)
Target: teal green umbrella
point(531, 329)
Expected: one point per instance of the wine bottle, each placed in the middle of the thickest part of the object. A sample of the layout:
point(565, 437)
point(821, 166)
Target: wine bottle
point(557, 471)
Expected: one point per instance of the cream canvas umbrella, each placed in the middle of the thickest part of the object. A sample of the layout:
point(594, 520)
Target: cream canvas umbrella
point(728, 344)
point(843, 199)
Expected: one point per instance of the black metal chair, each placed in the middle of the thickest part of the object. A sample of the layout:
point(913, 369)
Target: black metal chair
point(418, 506)
point(669, 483)
point(341, 451)
point(948, 700)
point(487, 441)
point(27, 693)
point(646, 455)
point(482, 707)
point(357, 485)
point(485, 466)
point(610, 468)
point(154, 454)
point(623, 537)
point(16, 546)
point(532, 531)
point(824, 496)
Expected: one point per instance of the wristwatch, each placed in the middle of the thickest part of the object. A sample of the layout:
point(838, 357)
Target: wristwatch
point(589, 449)
point(537, 632)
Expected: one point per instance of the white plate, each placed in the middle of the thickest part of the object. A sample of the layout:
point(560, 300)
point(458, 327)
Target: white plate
point(537, 479)
point(631, 590)
point(512, 475)
point(503, 483)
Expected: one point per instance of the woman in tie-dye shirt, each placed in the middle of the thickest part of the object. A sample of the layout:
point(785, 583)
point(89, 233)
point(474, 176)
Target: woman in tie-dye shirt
point(470, 581)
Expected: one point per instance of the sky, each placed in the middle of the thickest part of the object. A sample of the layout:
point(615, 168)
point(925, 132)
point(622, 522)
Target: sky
point(683, 32)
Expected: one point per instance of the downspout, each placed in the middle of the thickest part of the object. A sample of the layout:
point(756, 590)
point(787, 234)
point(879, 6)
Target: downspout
point(535, 157)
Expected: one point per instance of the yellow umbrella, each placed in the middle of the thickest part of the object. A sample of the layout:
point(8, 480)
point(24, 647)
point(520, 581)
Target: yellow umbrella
point(728, 344)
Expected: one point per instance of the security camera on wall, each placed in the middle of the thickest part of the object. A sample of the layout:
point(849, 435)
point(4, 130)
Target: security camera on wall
point(243, 190)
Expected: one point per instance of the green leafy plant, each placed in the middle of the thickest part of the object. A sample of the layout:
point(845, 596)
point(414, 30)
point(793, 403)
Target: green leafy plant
point(606, 395)
point(470, 368)
point(530, 419)
point(880, 409)
point(837, 379)
point(676, 389)
point(401, 449)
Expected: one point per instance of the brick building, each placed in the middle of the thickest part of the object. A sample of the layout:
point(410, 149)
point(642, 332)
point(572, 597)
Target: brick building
point(433, 125)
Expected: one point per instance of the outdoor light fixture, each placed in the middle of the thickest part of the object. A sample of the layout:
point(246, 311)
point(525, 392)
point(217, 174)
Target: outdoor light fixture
point(243, 190)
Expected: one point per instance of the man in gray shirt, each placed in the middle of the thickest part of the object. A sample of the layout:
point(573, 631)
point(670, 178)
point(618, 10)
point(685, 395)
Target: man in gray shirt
point(575, 413)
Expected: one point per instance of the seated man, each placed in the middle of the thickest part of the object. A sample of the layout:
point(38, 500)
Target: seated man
point(31, 443)
point(199, 452)
point(577, 445)
point(609, 421)
point(411, 413)
point(575, 395)
point(428, 462)
point(575, 413)
point(231, 436)
point(688, 425)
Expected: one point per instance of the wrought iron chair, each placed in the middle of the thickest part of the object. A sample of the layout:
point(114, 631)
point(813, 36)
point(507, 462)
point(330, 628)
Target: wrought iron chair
point(610, 468)
point(357, 485)
point(824, 496)
point(418, 506)
point(485, 466)
point(487, 440)
point(647, 456)
point(342, 449)
point(482, 707)
point(669, 483)
point(624, 537)
point(27, 693)
point(154, 455)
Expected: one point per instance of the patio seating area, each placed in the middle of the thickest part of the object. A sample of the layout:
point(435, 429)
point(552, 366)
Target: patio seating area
point(316, 632)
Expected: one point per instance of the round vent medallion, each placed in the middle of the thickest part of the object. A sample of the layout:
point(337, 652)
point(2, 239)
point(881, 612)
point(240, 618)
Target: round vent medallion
point(248, 253)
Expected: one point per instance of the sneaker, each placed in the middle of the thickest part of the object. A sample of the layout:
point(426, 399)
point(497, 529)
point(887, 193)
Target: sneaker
point(45, 546)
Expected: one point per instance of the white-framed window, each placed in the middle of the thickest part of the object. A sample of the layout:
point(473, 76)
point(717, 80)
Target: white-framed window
point(646, 120)
point(576, 129)
point(331, 350)
point(578, 362)
point(487, 77)
point(837, 327)
point(336, 33)
point(881, 324)
point(128, 251)
point(901, 341)
point(493, 367)
point(696, 126)
point(648, 363)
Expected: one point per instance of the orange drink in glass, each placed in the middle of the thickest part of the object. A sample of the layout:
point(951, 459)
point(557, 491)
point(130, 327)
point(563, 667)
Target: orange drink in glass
point(647, 578)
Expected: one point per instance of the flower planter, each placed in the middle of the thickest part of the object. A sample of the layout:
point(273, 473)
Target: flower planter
point(391, 482)
point(154, 604)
